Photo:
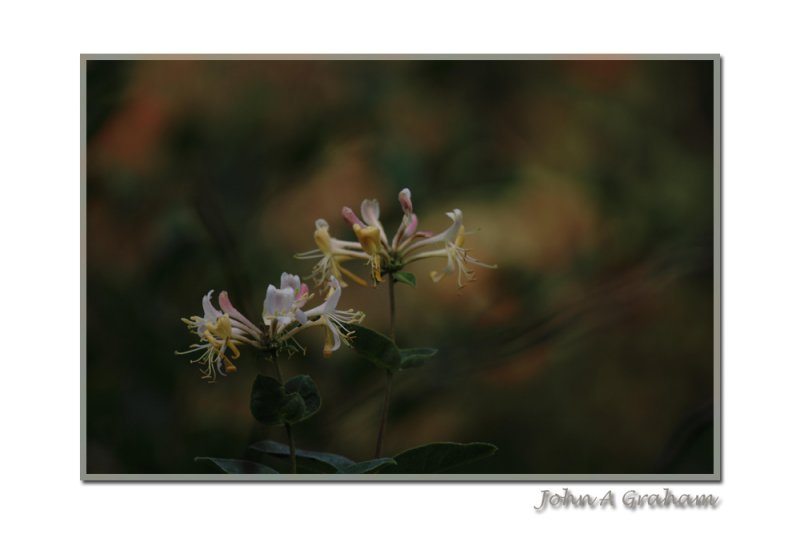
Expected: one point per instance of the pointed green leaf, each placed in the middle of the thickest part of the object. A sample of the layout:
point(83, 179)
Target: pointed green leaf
point(439, 457)
point(415, 357)
point(316, 462)
point(239, 467)
point(375, 347)
point(370, 466)
point(406, 278)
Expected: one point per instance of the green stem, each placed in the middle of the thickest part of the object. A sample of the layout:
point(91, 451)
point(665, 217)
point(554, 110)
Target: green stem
point(287, 426)
point(388, 392)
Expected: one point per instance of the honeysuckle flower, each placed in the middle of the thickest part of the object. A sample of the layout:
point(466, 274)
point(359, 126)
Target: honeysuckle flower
point(331, 252)
point(282, 305)
point(447, 236)
point(369, 236)
point(332, 319)
point(452, 241)
point(407, 246)
point(219, 335)
point(221, 332)
point(370, 239)
point(408, 226)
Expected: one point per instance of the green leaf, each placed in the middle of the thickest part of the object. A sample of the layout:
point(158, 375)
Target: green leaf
point(293, 409)
point(305, 387)
point(439, 457)
point(323, 462)
point(239, 467)
point(375, 347)
point(406, 278)
point(370, 466)
point(315, 462)
point(415, 357)
point(274, 404)
point(267, 400)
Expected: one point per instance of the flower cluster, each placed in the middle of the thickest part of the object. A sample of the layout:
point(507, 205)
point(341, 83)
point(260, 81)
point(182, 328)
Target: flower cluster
point(383, 256)
point(221, 331)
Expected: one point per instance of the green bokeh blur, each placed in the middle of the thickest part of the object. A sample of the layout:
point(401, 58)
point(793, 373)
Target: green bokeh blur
point(590, 184)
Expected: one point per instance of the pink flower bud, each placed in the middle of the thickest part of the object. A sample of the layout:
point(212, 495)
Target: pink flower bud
point(405, 201)
point(350, 216)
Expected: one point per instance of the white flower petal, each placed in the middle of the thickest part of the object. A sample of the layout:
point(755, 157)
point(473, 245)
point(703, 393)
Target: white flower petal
point(333, 299)
point(448, 236)
point(371, 212)
point(278, 301)
point(337, 342)
point(290, 280)
point(211, 313)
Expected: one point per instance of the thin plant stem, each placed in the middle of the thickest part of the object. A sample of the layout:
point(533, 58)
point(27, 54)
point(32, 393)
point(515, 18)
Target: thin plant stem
point(387, 394)
point(384, 415)
point(391, 307)
point(287, 426)
point(277, 366)
point(292, 452)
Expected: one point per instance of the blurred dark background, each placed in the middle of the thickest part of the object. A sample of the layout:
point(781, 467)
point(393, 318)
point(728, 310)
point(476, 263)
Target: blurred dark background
point(590, 183)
